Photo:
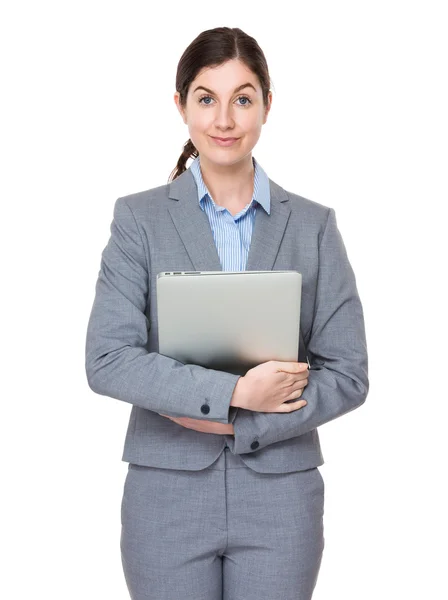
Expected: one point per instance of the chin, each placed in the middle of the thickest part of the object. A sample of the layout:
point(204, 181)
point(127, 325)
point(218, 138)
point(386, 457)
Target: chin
point(223, 155)
point(229, 158)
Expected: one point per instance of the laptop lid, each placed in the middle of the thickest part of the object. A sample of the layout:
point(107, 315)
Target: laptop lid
point(229, 320)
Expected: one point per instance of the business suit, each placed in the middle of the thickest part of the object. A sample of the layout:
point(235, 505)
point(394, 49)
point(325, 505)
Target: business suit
point(164, 229)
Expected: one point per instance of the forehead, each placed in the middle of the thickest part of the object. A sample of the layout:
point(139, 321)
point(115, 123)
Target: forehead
point(226, 77)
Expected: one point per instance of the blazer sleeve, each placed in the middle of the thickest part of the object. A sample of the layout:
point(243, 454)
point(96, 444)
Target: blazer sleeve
point(337, 356)
point(117, 361)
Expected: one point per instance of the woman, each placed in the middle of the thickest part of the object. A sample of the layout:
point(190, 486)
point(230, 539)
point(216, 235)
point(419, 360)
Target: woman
point(223, 497)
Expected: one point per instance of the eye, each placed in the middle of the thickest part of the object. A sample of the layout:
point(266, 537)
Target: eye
point(249, 101)
point(204, 98)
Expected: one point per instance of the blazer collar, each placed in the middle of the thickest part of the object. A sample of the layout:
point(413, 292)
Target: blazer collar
point(193, 226)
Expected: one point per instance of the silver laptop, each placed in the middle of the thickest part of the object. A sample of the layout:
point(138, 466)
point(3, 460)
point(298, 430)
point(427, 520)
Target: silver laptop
point(229, 320)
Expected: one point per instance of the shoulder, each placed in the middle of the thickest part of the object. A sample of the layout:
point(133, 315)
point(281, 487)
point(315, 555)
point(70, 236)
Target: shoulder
point(146, 198)
point(141, 203)
point(310, 206)
point(304, 208)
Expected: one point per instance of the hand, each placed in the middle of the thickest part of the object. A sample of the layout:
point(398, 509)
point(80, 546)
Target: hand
point(268, 386)
point(204, 426)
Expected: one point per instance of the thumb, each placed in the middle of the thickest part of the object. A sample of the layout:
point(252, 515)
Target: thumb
point(297, 367)
point(292, 367)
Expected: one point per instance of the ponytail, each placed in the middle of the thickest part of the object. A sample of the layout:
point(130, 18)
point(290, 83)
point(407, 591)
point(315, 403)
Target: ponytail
point(189, 151)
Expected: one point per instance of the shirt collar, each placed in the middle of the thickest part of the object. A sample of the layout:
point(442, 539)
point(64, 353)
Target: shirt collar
point(261, 184)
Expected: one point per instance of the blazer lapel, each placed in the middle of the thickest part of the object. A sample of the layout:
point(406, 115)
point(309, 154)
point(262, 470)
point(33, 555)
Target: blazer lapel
point(268, 231)
point(194, 228)
point(192, 223)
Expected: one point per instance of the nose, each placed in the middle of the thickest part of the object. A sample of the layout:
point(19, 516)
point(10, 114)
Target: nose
point(224, 117)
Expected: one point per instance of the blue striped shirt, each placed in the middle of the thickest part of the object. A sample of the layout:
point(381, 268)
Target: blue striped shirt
point(232, 234)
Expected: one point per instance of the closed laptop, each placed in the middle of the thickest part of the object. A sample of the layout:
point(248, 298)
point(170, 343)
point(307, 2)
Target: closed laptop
point(229, 320)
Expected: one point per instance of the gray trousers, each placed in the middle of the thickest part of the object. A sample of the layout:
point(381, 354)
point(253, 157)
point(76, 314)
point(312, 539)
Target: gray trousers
point(222, 533)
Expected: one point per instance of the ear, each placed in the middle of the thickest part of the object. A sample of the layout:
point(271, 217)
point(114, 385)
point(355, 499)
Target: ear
point(268, 108)
point(180, 107)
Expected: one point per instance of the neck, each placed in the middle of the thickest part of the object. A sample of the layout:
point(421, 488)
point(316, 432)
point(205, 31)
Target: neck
point(230, 186)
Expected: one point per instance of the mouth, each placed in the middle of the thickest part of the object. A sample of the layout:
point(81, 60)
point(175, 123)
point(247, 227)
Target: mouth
point(227, 141)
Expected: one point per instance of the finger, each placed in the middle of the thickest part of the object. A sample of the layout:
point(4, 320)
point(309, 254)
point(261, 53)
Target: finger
point(171, 418)
point(296, 379)
point(300, 384)
point(293, 386)
point(295, 394)
point(292, 406)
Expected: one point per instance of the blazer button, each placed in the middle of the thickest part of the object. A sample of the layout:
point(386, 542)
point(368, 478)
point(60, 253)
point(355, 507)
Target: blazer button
point(205, 409)
point(254, 445)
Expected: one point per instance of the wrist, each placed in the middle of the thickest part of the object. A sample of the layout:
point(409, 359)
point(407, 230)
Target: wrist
point(239, 393)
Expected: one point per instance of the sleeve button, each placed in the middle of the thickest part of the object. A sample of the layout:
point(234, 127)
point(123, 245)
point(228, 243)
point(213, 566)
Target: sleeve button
point(254, 445)
point(205, 409)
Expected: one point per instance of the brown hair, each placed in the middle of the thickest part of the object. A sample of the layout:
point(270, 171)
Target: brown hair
point(214, 47)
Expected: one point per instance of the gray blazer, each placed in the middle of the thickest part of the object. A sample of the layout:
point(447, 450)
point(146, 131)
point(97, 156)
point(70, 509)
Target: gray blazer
point(164, 229)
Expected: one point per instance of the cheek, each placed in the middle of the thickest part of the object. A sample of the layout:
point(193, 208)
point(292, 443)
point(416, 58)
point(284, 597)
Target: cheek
point(200, 122)
point(251, 123)
point(253, 130)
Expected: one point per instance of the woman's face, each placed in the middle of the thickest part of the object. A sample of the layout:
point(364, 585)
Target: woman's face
point(221, 105)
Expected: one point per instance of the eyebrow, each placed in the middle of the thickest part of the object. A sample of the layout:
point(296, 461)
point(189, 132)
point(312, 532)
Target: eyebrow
point(240, 87)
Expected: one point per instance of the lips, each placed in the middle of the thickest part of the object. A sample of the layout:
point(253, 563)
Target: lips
point(223, 139)
point(228, 141)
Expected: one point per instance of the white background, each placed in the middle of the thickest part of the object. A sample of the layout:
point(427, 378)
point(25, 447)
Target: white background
point(358, 123)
